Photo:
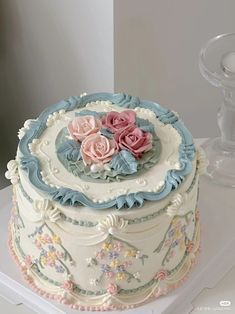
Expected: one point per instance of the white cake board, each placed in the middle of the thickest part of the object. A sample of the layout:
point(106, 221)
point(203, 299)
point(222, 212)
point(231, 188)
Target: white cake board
point(217, 207)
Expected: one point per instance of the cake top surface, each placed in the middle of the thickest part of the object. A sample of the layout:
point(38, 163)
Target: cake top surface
point(105, 150)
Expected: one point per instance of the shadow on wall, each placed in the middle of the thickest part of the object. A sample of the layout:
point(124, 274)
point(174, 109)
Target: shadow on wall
point(41, 60)
point(11, 91)
point(49, 50)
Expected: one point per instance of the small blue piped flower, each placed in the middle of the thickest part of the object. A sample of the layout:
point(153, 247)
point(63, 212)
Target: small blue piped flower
point(105, 268)
point(113, 255)
point(59, 269)
point(171, 232)
point(51, 248)
point(175, 243)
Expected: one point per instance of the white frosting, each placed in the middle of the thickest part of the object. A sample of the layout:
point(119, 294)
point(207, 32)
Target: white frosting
point(202, 161)
point(22, 130)
point(55, 175)
point(12, 172)
point(52, 118)
point(177, 205)
point(112, 223)
point(129, 228)
point(46, 210)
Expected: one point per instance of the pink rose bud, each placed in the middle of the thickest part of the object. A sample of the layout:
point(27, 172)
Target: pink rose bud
point(68, 285)
point(112, 289)
point(82, 126)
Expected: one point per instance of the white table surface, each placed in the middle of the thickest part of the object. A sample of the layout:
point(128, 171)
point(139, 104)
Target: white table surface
point(219, 289)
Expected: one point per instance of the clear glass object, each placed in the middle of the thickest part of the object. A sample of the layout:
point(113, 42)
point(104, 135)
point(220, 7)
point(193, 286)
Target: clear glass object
point(217, 65)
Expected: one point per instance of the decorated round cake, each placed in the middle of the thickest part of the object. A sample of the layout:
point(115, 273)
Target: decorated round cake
point(105, 197)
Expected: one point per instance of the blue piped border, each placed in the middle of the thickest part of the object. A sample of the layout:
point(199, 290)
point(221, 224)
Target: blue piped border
point(70, 197)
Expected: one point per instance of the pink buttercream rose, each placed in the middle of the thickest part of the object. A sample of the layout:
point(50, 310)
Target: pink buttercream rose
point(134, 140)
point(116, 121)
point(112, 289)
point(97, 149)
point(83, 126)
point(68, 285)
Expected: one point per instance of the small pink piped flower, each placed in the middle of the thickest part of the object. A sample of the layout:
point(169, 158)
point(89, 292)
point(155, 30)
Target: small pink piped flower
point(100, 255)
point(118, 246)
point(27, 261)
point(190, 247)
point(167, 242)
point(112, 289)
point(109, 275)
point(59, 254)
point(68, 285)
point(127, 264)
point(47, 238)
point(161, 274)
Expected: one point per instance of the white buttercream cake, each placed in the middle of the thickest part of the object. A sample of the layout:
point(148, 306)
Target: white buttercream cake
point(105, 210)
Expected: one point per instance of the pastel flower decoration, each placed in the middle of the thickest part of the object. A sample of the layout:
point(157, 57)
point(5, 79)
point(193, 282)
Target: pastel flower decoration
point(120, 276)
point(82, 126)
point(114, 263)
point(161, 274)
point(105, 268)
point(109, 275)
point(190, 247)
point(107, 246)
point(118, 246)
point(130, 253)
point(118, 121)
point(27, 261)
point(112, 289)
point(56, 239)
point(134, 140)
point(68, 285)
point(97, 149)
point(100, 255)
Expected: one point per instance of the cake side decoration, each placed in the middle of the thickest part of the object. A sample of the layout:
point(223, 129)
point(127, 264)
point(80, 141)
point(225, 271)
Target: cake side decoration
point(46, 210)
point(83, 168)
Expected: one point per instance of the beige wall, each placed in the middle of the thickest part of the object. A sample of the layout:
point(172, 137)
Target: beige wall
point(156, 54)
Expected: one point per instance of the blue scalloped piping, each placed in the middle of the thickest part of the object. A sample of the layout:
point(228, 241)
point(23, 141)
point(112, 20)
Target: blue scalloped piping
point(70, 197)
